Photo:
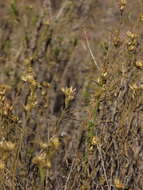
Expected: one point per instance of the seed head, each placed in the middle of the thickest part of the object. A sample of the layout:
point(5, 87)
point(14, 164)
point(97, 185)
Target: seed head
point(7, 145)
point(2, 165)
point(118, 184)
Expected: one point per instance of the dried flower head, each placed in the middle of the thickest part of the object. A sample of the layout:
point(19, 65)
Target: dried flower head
point(32, 101)
point(123, 2)
point(91, 148)
point(141, 18)
point(7, 145)
point(3, 89)
point(69, 94)
point(55, 142)
point(102, 180)
point(117, 39)
point(2, 165)
point(29, 77)
point(43, 145)
point(42, 160)
point(139, 64)
point(135, 88)
point(45, 84)
point(102, 79)
point(132, 42)
point(39, 158)
point(122, 5)
point(118, 184)
point(95, 140)
point(131, 35)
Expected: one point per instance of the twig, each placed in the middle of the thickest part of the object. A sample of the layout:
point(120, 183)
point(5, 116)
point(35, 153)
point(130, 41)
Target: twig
point(65, 188)
point(90, 51)
point(103, 167)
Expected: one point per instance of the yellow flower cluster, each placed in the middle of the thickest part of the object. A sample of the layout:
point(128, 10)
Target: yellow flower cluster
point(132, 41)
point(69, 94)
point(94, 141)
point(6, 106)
point(139, 64)
point(42, 160)
point(135, 88)
point(118, 184)
point(141, 18)
point(2, 165)
point(102, 79)
point(122, 5)
point(7, 145)
point(5, 148)
point(28, 76)
point(116, 39)
point(48, 150)
point(3, 90)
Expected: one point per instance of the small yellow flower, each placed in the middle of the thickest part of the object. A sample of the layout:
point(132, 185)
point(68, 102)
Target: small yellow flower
point(91, 148)
point(123, 2)
point(43, 145)
point(131, 35)
point(42, 160)
point(69, 94)
point(95, 140)
point(45, 84)
point(132, 42)
point(134, 87)
point(102, 180)
point(56, 142)
point(39, 158)
point(7, 145)
point(141, 17)
point(4, 88)
point(2, 165)
point(139, 64)
point(116, 41)
point(131, 48)
point(48, 164)
point(118, 184)
point(122, 5)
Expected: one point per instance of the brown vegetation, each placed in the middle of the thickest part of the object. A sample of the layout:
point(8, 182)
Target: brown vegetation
point(71, 95)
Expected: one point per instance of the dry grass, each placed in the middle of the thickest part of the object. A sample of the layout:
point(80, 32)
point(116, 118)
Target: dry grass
point(71, 95)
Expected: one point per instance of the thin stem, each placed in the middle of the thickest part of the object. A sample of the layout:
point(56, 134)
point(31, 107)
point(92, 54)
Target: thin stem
point(90, 51)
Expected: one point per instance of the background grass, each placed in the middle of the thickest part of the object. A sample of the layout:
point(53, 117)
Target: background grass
point(71, 99)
